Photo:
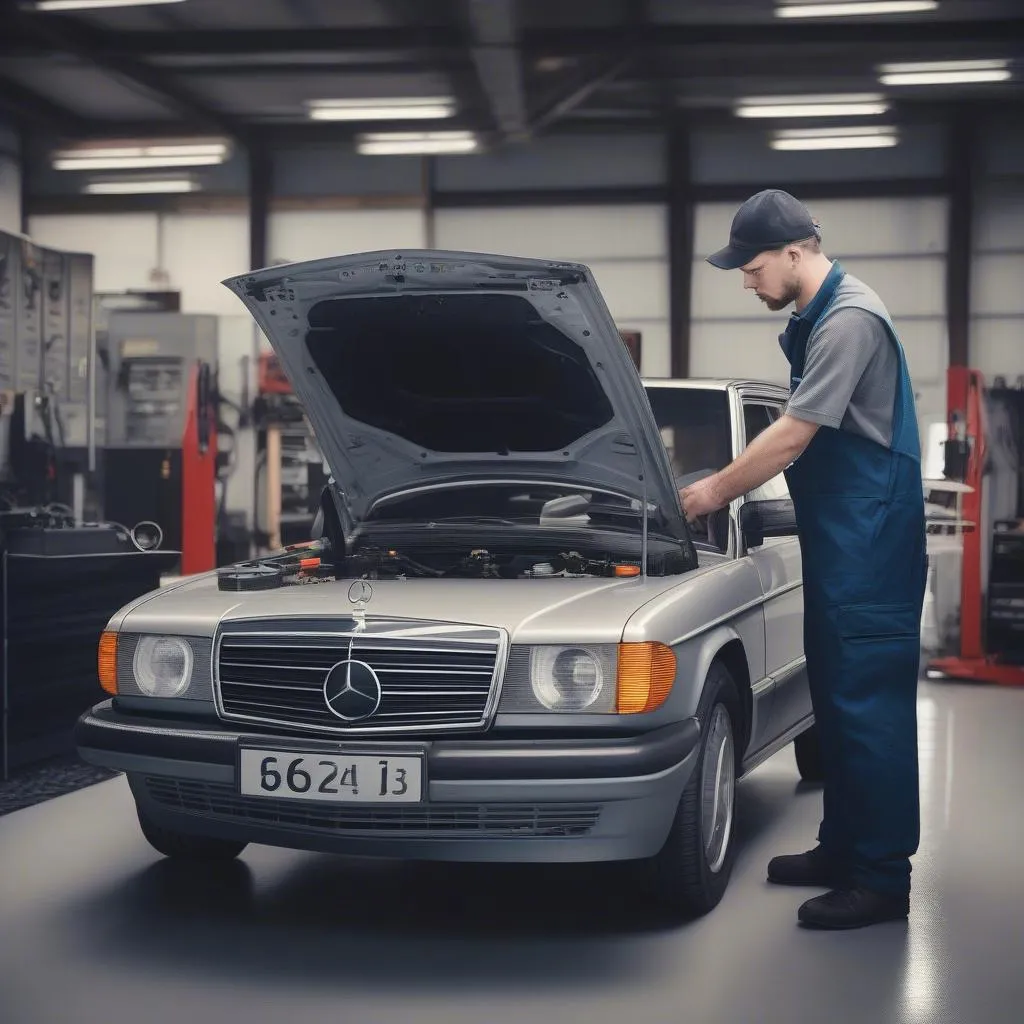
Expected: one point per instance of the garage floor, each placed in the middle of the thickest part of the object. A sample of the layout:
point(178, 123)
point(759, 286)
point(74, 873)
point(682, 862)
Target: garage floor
point(94, 927)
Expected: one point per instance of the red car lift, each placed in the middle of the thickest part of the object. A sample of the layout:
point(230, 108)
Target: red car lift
point(967, 429)
point(199, 476)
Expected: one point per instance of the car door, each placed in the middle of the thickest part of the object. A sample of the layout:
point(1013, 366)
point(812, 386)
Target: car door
point(778, 564)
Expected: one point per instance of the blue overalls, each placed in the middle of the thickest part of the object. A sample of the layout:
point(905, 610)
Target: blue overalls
point(860, 517)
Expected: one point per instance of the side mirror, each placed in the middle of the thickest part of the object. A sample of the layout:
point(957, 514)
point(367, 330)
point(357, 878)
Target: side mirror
point(772, 518)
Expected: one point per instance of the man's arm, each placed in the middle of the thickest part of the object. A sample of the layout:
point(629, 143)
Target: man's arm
point(764, 458)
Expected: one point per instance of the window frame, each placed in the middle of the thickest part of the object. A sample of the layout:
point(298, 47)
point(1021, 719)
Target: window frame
point(773, 397)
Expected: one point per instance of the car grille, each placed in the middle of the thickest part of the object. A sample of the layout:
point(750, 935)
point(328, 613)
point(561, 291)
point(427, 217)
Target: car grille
point(467, 821)
point(428, 683)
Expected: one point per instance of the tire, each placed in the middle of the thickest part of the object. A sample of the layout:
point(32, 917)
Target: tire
point(690, 874)
point(184, 847)
point(807, 747)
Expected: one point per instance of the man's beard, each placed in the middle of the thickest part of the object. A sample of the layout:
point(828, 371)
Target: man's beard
point(790, 294)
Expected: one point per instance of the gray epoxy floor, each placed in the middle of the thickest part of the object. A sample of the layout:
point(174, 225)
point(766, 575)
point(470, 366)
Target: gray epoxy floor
point(94, 927)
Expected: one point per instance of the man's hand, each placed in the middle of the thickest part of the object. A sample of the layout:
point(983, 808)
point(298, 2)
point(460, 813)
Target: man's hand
point(700, 498)
point(765, 457)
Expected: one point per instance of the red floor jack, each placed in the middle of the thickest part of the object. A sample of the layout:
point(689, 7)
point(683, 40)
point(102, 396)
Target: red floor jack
point(966, 421)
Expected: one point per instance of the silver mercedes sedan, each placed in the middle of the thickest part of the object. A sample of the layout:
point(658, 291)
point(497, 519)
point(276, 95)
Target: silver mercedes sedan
point(504, 642)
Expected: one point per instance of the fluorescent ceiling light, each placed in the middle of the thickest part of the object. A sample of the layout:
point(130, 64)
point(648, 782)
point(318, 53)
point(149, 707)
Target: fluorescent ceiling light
point(125, 156)
point(381, 109)
point(395, 143)
point(945, 72)
point(855, 8)
point(87, 5)
point(125, 188)
point(849, 105)
point(864, 137)
point(127, 163)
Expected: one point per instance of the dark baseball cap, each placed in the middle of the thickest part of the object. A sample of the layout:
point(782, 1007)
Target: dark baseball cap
point(767, 220)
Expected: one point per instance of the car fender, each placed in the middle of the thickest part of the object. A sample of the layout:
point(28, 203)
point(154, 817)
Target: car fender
point(693, 663)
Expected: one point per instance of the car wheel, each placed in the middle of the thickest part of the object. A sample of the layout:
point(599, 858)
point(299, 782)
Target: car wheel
point(692, 870)
point(808, 755)
point(181, 846)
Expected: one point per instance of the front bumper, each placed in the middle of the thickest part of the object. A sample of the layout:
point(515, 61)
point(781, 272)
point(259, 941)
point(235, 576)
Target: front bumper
point(489, 799)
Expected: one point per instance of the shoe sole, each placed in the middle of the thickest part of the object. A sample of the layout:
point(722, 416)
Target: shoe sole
point(818, 883)
point(817, 926)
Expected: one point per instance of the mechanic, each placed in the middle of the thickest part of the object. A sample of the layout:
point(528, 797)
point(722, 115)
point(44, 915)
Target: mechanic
point(849, 446)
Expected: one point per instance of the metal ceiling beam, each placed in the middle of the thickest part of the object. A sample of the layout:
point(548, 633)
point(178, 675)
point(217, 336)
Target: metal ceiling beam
point(580, 91)
point(78, 40)
point(494, 47)
point(232, 42)
point(266, 66)
point(764, 36)
point(548, 40)
point(32, 110)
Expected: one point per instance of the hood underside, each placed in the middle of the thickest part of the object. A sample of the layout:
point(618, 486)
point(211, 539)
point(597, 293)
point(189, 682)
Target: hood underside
point(430, 368)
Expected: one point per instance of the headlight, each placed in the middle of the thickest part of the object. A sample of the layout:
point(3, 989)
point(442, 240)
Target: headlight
point(162, 665)
point(593, 679)
point(566, 678)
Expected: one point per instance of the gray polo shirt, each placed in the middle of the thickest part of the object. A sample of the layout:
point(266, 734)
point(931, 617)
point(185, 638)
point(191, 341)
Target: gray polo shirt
point(850, 375)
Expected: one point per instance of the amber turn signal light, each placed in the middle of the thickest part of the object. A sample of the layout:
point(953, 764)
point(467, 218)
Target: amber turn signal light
point(645, 676)
point(107, 662)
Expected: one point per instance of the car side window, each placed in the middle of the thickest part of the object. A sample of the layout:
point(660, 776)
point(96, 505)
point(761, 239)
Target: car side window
point(758, 416)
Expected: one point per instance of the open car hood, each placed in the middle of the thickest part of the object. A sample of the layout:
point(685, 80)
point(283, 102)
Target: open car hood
point(430, 367)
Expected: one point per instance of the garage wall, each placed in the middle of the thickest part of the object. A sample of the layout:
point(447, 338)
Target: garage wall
point(740, 155)
point(570, 162)
point(625, 246)
point(897, 246)
point(295, 235)
point(519, 200)
point(125, 245)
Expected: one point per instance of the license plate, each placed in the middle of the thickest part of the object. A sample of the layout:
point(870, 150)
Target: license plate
point(331, 777)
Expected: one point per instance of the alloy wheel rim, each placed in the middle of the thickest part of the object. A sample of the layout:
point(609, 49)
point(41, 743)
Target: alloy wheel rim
point(718, 787)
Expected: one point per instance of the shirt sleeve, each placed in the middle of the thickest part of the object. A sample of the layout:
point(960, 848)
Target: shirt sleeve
point(839, 350)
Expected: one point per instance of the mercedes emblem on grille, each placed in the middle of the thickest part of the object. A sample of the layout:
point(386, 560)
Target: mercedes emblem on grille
point(352, 690)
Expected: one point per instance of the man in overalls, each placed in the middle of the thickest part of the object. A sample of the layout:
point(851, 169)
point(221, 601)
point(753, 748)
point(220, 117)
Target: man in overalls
point(848, 443)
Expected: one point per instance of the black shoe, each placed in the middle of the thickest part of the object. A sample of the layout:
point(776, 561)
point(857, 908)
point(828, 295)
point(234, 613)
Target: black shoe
point(811, 868)
point(853, 908)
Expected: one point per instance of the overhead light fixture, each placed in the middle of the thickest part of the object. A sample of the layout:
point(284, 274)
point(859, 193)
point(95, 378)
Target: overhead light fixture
point(953, 72)
point(412, 108)
point(848, 105)
point(861, 137)
point(397, 143)
point(855, 8)
point(134, 188)
point(130, 156)
point(92, 5)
